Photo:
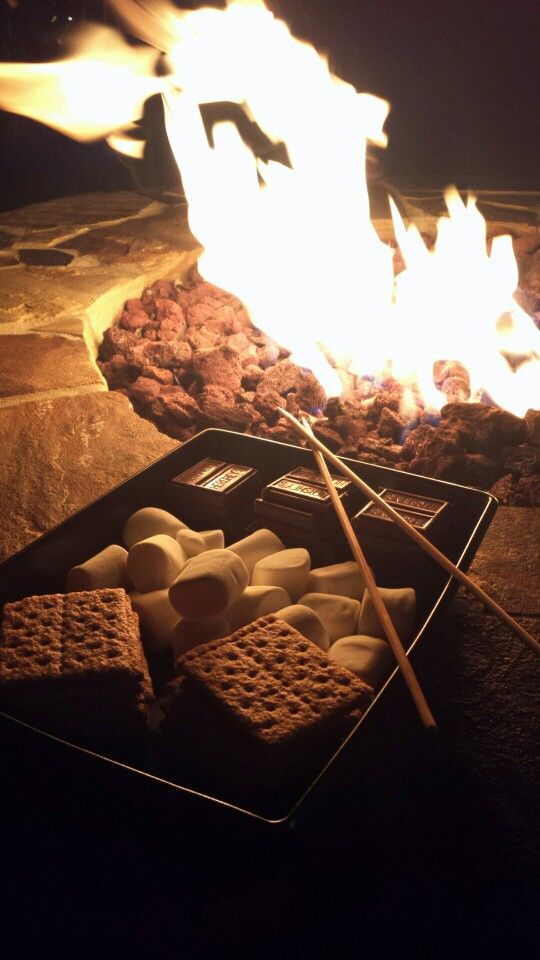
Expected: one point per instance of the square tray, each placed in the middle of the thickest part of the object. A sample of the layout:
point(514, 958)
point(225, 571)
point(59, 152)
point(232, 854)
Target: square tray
point(41, 568)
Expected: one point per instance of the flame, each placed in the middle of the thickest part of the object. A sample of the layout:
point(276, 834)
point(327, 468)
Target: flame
point(295, 242)
point(97, 91)
point(449, 304)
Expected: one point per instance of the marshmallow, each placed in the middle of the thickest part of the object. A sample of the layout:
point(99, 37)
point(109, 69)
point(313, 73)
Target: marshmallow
point(157, 618)
point(191, 542)
point(194, 542)
point(401, 605)
point(368, 657)
point(339, 615)
point(190, 633)
point(256, 602)
point(208, 584)
point(262, 543)
point(106, 569)
point(344, 579)
point(288, 569)
point(307, 623)
point(147, 523)
point(214, 539)
point(154, 563)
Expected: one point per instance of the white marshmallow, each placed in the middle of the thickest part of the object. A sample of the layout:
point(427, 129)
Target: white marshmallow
point(256, 602)
point(288, 569)
point(339, 615)
point(208, 584)
point(306, 621)
point(190, 633)
point(157, 618)
point(401, 605)
point(108, 568)
point(194, 542)
point(155, 562)
point(262, 543)
point(214, 539)
point(149, 521)
point(368, 657)
point(191, 542)
point(343, 579)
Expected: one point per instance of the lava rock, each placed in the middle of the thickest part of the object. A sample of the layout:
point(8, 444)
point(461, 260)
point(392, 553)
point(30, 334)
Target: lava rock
point(178, 404)
point(522, 461)
point(476, 470)
point(136, 305)
point(202, 338)
point(133, 320)
point(118, 340)
point(170, 354)
point(220, 366)
point(390, 424)
point(348, 427)
point(172, 320)
point(218, 409)
point(445, 369)
point(455, 389)
point(267, 402)
point(532, 423)
point(160, 374)
point(144, 391)
point(329, 437)
point(164, 290)
point(119, 371)
point(286, 376)
point(252, 376)
point(492, 428)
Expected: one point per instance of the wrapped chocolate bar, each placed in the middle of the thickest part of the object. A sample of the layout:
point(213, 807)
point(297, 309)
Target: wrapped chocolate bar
point(379, 534)
point(216, 492)
point(298, 509)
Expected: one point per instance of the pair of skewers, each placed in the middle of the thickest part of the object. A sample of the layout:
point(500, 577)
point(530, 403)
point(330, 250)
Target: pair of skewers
point(320, 452)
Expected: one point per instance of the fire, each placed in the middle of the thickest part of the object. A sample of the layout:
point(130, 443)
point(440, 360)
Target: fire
point(295, 242)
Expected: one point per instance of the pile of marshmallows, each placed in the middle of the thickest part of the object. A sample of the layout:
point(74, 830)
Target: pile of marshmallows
point(187, 588)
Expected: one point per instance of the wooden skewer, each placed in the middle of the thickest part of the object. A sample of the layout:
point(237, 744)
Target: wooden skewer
point(408, 673)
point(414, 534)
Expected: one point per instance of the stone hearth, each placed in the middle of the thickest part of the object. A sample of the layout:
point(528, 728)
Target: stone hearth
point(65, 440)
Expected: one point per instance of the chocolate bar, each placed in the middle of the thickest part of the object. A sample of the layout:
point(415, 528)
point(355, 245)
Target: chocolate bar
point(307, 475)
point(303, 490)
point(421, 521)
point(386, 545)
point(413, 501)
point(298, 508)
point(421, 512)
point(213, 491)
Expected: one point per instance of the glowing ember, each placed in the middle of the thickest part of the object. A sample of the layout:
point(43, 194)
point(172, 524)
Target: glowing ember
point(296, 243)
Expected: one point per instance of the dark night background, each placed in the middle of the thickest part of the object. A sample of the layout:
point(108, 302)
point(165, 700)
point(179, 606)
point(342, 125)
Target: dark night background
point(461, 77)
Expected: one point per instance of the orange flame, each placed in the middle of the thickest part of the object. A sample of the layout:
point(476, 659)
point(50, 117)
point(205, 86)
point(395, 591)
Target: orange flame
point(296, 242)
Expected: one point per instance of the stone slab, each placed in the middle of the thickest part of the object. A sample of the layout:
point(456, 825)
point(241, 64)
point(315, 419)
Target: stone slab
point(33, 364)
point(112, 261)
point(65, 216)
point(507, 565)
point(59, 455)
point(482, 684)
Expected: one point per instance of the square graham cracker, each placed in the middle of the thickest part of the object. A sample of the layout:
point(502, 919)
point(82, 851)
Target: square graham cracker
point(275, 683)
point(59, 646)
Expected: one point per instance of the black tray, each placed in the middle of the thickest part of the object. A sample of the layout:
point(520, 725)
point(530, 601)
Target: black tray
point(41, 568)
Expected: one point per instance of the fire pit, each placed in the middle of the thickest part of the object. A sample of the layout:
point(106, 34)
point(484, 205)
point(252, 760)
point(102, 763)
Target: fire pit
point(404, 341)
point(188, 357)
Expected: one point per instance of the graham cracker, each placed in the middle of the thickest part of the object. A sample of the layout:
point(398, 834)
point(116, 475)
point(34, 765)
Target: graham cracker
point(274, 683)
